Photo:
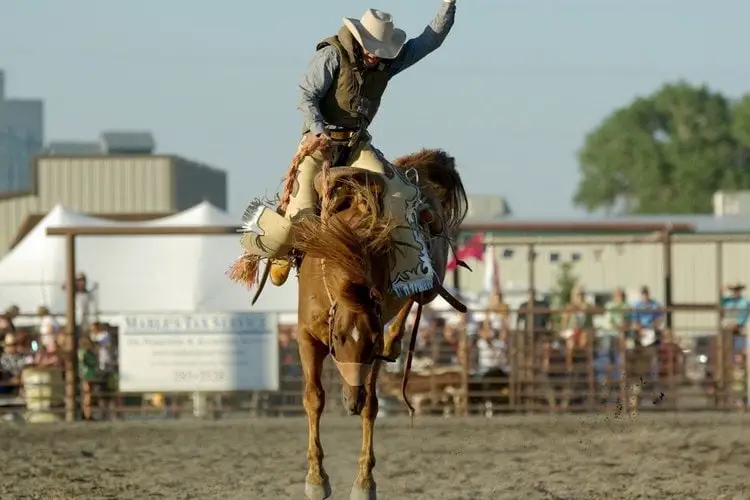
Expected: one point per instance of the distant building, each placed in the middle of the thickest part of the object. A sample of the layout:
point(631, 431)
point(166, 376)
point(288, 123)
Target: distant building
point(487, 207)
point(731, 203)
point(21, 138)
point(129, 183)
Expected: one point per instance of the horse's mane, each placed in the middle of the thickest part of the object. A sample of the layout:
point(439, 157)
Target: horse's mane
point(437, 171)
point(352, 241)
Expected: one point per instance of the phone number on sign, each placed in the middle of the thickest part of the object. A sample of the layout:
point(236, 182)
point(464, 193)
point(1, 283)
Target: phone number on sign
point(198, 375)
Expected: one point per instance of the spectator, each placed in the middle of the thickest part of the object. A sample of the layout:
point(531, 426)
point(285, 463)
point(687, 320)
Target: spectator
point(84, 297)
point(542, 316)
point(448, 343)
point(493, 352)
point(577, 318)
point(670, 357)
point(608, 356)
point(88, 364)
point(48, 355)
point(646, 319)
point(12, 312)
point(12, 363)
point(100, 338)
point(498, 313)
point(736, 309)
point(49, 328)
point(6, 325)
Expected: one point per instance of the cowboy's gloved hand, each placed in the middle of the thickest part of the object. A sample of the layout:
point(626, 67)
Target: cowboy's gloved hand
point(318, 130)
point(321, 139)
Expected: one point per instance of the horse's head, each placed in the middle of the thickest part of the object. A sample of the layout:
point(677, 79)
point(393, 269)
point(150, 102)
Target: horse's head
point(353, 242)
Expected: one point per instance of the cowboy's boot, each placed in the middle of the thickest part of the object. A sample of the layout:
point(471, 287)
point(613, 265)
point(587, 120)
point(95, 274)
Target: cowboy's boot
point(303, 200)
point(280, 271)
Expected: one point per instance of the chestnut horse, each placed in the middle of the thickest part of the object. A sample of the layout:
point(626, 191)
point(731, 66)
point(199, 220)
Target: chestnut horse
point(344, 296)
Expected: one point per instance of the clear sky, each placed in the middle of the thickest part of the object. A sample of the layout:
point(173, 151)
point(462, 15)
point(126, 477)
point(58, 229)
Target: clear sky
point(511, 93)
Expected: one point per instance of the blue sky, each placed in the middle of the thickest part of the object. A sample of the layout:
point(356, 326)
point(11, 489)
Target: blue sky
point(511, 93)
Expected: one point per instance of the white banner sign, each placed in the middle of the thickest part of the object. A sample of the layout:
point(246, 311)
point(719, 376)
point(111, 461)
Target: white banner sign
point(198, 352)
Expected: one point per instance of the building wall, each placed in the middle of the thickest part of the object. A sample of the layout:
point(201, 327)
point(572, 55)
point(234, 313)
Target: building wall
point(195, 183)
point(602, 268)
point(91, 184)
point(21, 139)
point(106, 184)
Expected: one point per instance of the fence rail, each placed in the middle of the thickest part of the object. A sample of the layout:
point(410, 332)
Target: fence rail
point(540, 372)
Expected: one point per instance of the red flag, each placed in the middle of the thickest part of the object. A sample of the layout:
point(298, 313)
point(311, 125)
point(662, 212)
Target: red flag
point(472, 249)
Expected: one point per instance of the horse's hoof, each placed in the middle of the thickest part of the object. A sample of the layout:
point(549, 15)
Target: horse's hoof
point(318, 491)
point(360, 494)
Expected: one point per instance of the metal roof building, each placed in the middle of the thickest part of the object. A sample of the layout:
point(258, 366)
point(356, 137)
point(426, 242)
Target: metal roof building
point(133, 186)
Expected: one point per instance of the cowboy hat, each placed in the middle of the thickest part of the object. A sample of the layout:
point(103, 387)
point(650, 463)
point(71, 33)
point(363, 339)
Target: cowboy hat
point(736, 286)
point(376, 34)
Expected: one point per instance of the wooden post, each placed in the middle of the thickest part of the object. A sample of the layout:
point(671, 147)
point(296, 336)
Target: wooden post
point(719, 361)
point(71, 363)
point(667, 249)
point(529, 379)
point(464, 351)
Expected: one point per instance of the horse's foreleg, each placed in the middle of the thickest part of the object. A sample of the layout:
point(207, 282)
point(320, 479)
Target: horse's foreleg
point(312, 355)
point(364, 486)
point(395, 333)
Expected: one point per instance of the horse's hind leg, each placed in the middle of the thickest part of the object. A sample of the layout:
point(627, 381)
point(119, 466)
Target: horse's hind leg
point(364, 486)
point(392, 344)
point(312, 355)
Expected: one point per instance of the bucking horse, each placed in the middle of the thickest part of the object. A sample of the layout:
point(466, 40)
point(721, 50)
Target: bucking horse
point(379, 245)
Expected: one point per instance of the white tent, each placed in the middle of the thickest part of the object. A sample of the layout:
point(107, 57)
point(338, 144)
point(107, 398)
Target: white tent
point(137, 273)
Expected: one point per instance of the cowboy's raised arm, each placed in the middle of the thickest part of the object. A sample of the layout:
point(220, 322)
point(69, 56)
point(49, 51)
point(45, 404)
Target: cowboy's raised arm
point(431, 38)
point(313, 86)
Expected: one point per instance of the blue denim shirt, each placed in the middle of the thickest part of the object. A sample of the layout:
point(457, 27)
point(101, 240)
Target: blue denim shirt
point(737, 309)
point(322, 69)
point(646, 313)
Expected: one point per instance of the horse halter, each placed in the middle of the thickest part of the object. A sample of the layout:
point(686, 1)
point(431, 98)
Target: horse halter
point(353, 373)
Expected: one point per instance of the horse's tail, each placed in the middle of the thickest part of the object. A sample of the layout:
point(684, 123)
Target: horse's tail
point(437, 171)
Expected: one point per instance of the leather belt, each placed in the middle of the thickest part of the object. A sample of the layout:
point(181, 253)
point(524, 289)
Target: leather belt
point(340, 135)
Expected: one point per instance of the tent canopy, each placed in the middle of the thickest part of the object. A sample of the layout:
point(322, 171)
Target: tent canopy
point(136, 273)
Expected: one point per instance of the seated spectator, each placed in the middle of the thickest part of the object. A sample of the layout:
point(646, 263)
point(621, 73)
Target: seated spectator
point(577, 318)
point(48, 355)
point(12, 363)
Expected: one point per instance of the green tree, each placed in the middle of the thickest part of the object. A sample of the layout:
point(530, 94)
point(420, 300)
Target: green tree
point(666, 153)
point(565, 282)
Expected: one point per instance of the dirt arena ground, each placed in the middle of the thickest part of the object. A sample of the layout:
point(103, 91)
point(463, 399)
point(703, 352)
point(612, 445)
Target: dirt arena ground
point(699, 456)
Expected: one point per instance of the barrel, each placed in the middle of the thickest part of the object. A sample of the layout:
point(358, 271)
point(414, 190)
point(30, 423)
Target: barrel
point(44, 392)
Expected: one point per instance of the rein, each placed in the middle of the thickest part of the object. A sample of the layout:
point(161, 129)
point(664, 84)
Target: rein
point(331, 310)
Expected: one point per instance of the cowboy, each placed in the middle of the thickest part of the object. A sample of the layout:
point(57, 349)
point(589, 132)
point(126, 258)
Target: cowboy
point(341, 94)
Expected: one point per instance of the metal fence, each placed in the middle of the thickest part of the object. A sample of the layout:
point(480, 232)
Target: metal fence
point(545, 372)
point(540, 372)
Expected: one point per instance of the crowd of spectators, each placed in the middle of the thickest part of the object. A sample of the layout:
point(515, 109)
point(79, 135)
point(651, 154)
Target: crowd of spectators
point(42, 344)
point(572, 344)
